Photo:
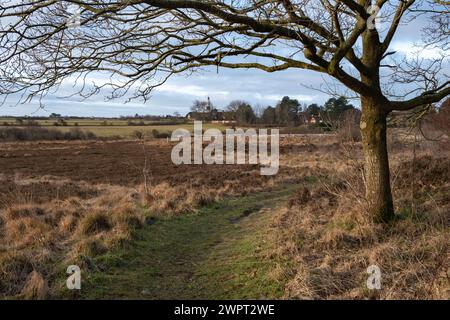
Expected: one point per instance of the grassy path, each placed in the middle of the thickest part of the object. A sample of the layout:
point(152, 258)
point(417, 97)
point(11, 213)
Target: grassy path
point(220, 252)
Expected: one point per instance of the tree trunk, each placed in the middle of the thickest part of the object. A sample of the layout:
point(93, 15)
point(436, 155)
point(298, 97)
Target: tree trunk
point(376, 162)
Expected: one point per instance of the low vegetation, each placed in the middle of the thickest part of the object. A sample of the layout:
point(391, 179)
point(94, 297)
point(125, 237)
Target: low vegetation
point(317, 238)
point(78, 221)
point(34, 133)
point(326, 242)
point(114, 128)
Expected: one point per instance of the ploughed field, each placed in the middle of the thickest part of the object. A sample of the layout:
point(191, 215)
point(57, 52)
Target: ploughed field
point(117, 162)
point(43, 171)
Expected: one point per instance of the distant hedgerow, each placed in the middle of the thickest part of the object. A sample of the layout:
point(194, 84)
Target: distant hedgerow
point(39, 133)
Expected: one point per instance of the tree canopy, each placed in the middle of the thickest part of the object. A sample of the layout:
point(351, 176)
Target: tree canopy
point(140, 43)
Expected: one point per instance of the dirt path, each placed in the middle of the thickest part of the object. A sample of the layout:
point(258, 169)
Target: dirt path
point(221, 252)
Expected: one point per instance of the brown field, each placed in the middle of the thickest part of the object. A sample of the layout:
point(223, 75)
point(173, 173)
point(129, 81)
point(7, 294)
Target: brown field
point(119, 163)
point(67, 202)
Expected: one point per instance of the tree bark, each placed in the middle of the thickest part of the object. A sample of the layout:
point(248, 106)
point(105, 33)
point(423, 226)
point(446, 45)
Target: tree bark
point(376, 161)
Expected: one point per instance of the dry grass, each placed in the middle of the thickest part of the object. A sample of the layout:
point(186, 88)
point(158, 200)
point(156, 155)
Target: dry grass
point(37, 235)
point(35, 287)
point(168, 200)
point(326, 241)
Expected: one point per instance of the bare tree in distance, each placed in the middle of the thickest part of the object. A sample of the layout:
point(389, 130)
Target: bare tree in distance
point(234, 105)
point(258, 109)
point(141, 43)
point(435, 124)
point(201, 106)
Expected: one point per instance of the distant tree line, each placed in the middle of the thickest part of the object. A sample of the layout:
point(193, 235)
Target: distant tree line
point(287, 112)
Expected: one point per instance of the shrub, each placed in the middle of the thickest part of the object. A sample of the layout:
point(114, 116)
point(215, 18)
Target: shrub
point(140, 135)
point(160, 135)
point(90, 135)
point(324, 126)
point(15, 266)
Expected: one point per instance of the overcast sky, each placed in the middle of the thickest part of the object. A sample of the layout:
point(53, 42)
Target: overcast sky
point(179, 92)
point(177, 95)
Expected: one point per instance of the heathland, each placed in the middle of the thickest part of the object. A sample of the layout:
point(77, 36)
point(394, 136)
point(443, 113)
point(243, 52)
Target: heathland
point(141, 227)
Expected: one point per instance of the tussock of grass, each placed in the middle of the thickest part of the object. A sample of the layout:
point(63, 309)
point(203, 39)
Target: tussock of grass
point(35, 287)
point(35, 237)
point(15, 267)
point(94, 222)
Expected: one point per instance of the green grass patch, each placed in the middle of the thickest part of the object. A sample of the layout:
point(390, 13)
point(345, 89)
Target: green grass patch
point(221, 252)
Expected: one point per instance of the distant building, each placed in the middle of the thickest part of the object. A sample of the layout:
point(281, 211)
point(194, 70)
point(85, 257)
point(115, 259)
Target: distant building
point(314, 120)
point(307, 119)
point(224, 117)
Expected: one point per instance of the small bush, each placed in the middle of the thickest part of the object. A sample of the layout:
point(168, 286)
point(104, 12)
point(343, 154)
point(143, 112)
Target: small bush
point(140, 135)
point(160, 135)
point(301, 197)
point(140, 123)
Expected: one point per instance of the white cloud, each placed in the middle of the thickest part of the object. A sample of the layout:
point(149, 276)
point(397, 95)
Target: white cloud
point(299, 97)
point(412, 50)
point(191, 90)
point(178, 93)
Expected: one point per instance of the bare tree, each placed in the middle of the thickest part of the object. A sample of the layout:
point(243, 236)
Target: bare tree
point(141, 43)
point(200, 106)
point(259, 110)
point(435, 123)
point(234, 105)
